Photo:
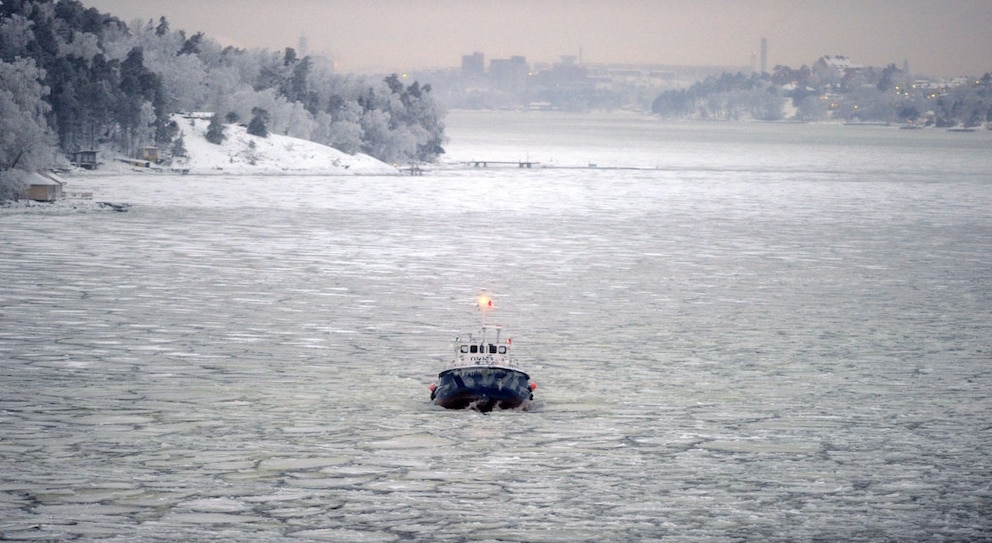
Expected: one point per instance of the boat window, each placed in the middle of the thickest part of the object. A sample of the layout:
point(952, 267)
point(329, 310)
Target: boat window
point(464, 348)
point(492, 349)
point(475, 348)
point(502, 350)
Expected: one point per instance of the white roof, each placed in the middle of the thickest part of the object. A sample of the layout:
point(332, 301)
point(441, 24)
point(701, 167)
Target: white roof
point(43, 178)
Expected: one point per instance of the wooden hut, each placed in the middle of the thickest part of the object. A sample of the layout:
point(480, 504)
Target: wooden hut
point(148, 153)
point(42, 187)
point(84, 159)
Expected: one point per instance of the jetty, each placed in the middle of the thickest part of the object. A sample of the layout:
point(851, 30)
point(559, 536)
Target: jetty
point(533, 164)
point(487, 163)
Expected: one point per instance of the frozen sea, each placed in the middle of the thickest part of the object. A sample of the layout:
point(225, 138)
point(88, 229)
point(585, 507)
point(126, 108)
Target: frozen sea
point(740, 332)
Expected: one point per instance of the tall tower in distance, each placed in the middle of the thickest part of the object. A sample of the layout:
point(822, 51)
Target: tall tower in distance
point(303, 46)
point(764, 55)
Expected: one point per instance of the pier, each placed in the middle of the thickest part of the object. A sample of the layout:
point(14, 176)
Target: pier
point(533, 164)
point(517, 163)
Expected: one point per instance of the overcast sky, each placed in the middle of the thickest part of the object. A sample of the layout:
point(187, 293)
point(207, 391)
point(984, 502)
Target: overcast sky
point(937, 37)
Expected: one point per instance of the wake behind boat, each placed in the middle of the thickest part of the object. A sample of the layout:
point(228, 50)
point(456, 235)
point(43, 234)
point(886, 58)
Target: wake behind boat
point(482, 375)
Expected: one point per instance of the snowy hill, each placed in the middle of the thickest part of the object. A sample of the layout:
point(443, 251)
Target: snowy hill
point(243, 154)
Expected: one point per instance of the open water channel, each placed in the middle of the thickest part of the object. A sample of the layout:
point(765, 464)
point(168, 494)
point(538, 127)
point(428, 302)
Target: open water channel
point(740, 332)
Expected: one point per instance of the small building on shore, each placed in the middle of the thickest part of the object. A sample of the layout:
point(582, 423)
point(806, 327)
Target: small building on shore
point(84, 159)
point(149, 154)
point(43, 187)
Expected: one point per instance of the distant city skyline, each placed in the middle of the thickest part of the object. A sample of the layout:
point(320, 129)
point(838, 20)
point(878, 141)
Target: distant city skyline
point(941, 38)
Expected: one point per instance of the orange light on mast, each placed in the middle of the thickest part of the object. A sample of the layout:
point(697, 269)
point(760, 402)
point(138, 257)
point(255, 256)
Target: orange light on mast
point(484, 302)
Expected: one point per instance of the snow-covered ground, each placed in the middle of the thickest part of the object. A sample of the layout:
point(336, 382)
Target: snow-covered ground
point(243, 154)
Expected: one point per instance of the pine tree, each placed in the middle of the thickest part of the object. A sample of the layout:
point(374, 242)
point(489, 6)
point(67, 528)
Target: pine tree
point(162, 28)
point(179, 147)
point(257, 126)
point(215, 130)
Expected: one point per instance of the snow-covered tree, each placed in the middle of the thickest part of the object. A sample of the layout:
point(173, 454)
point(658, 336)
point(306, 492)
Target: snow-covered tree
point(25, 144)
point(343, 129)
point(116, 84)
point(142, 111)
point(15, 35)
point(215, 130)
point(259, 120)
point(178, 148)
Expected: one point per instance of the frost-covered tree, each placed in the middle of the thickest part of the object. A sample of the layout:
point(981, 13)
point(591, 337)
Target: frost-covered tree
point(284, 117)
point(179, 147)
point(115, 84)
point(344, 128)
point(401, 123)
point(192, 45)
point(25, 142)
point(725, 97)
point(15, 35)
point(764, 104)
point(185, 81)
point(375, 134)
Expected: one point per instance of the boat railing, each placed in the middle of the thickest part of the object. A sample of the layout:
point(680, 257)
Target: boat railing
point(489, 362)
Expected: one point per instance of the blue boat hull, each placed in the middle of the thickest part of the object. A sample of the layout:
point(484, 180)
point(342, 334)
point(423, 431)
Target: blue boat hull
point(482, 388)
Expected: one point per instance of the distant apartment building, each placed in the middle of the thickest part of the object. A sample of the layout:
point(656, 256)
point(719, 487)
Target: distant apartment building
point(509, 74)
point(474, 65)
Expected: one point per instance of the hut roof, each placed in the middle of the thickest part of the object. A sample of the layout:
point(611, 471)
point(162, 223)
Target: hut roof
point(43, 178)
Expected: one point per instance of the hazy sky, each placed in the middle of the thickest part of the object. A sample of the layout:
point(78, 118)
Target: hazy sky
point(937, 37)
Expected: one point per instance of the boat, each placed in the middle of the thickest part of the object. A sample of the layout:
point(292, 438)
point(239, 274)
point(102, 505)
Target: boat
point(482, 374)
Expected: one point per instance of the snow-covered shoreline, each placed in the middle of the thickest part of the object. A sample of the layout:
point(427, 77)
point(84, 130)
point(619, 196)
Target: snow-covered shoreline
point(244, 154)
point(239, 155)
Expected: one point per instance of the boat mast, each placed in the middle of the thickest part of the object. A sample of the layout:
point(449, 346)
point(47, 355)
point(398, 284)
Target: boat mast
point(485, 305)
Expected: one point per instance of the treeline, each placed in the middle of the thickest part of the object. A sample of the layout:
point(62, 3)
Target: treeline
point(87, 79)
point(833, 89)
point(724, 97)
